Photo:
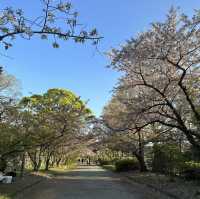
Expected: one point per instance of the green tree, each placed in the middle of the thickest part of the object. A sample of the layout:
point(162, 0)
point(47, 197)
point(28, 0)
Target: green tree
point(60, 115)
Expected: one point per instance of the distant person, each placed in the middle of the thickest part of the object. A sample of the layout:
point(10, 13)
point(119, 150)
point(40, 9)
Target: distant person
point(88, 162)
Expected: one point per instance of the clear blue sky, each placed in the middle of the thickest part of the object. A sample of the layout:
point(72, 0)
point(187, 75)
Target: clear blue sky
point(79, 67)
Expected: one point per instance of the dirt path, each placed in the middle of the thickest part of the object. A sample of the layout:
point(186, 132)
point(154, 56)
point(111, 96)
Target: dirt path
point(87, 183)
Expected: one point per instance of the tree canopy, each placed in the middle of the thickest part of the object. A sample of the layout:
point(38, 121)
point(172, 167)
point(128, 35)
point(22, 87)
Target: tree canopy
point(44, 124)
point(161, 75)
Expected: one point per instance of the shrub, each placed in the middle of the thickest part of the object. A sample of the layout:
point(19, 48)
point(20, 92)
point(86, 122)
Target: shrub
point(126, 165)
point(109, 167)
point(192, 165)
point(191, 170)
point(192, 154)
point(167, 159)
point(104, 162)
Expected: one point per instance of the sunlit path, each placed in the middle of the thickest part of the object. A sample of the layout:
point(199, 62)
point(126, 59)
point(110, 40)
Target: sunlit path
point(87, 182)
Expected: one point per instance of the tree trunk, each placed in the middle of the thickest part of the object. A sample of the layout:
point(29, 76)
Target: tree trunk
point(47, 164)
point(140, 154)
point(22, 165)
point(58, 162)
point(89, 161)
point(36, 160)
point(3, 164)
point(48, 158)
point(143, 167)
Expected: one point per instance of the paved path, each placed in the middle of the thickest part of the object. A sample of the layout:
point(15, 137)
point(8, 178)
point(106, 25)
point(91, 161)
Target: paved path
point(86, 183)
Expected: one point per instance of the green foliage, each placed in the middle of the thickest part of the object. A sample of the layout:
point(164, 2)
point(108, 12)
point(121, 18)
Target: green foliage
point(109, 167)
point(4, 197)
point(167, 159)
point(195, 154)
point(192, 165)
point(104, 162)
point(191, 170)
point(43, 126)
point(126, 165)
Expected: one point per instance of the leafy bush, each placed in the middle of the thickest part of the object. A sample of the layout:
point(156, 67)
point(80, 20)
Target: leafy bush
point(192, 165)
point(126, 165)
point(192, 154)
point(167, 159)
point(104, 162)
point(191, 170)
point(4, 197)
point(109, 167)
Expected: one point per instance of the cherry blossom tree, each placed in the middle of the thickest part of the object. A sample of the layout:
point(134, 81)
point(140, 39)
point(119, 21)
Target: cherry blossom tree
point(161, 75)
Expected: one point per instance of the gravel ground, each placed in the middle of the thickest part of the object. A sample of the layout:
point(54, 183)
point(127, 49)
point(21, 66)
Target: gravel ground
point(88, 183)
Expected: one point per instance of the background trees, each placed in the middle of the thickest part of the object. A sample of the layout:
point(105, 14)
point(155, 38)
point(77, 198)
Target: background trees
point(8, 114)
point(40, 124)
point(45, 126)
point(124, 134)
point(60, 115)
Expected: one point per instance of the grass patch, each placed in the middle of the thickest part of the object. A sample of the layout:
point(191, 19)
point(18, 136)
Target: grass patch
point(55, 171)
point(4, 197)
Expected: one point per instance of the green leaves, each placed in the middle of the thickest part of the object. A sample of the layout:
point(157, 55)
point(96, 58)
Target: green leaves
point(57, 108)
point(4, 29)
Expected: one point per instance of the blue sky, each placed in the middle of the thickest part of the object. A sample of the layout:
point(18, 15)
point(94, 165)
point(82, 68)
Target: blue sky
point(81, 68)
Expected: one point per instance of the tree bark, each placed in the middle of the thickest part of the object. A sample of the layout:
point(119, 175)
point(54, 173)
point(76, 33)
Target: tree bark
point(22, 165)
point(140, 154)
point(143, 167)
point(58, 162)
point(47, 164)
point(3, 164)
point(36, 161)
